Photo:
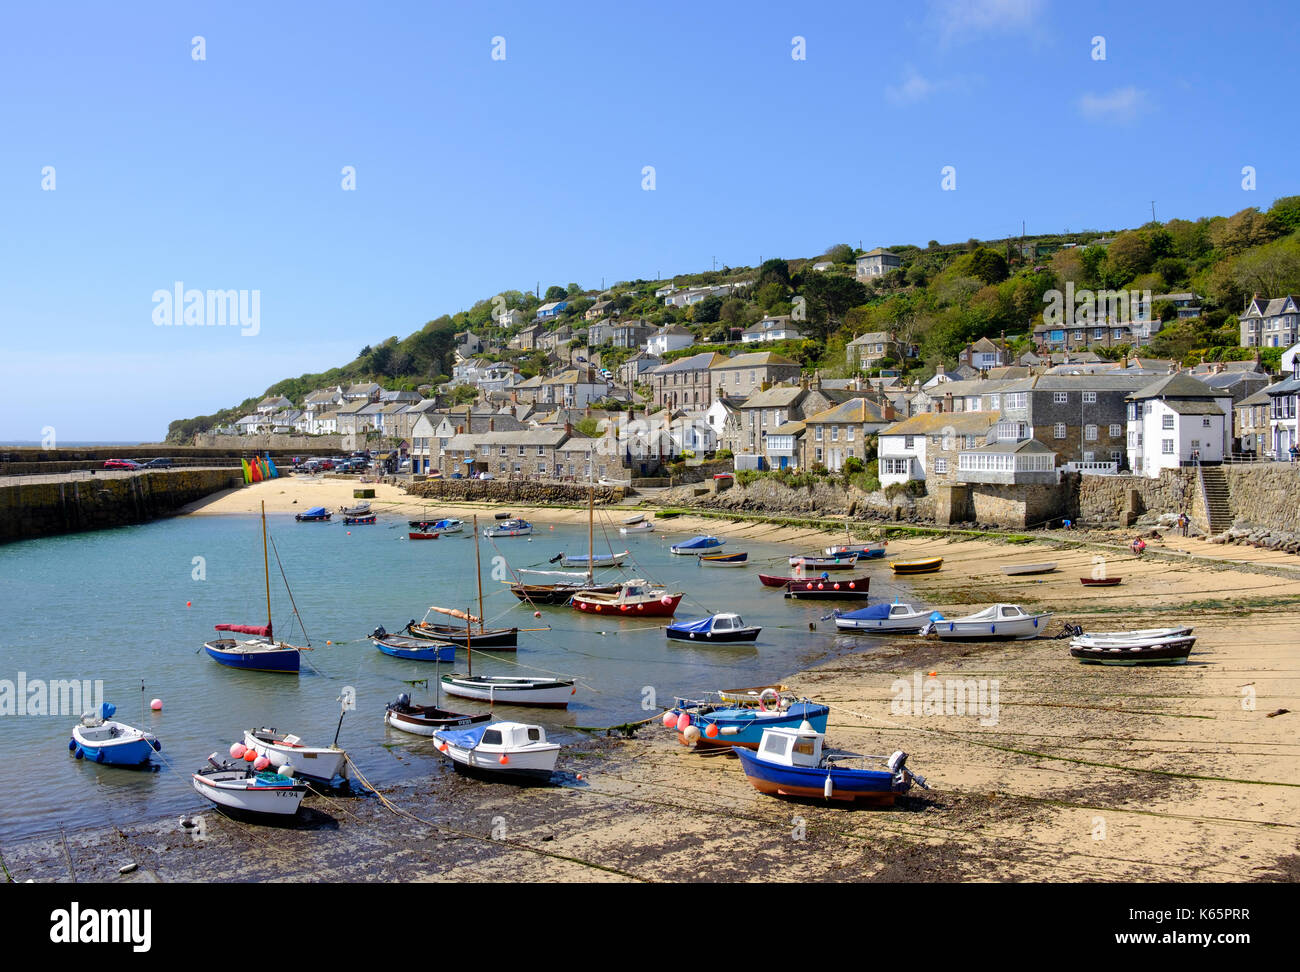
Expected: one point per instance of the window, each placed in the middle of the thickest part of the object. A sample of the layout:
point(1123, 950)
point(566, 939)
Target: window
point(994, 403)
point(1089, 398)
point(521, 450)
point(909, 442)
point(1090, 433)
point(1114, 456)
point(1116, 431)
point(970, 442)
point(940, 465)
point(1167, 446)
point(503, 450)
point(848, 433)
point(835, 433)
point(1205, 423)
point(819, 455)
point(1098, 333)
point(1060, 398)
point(818, 435)
point(1196, 443)
point(1167, 422)
point(1016, 399)
point(541, 451)
point(1059, 430)
point(1089, 457)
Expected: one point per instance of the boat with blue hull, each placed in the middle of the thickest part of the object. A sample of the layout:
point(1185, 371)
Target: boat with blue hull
point(99, 739)
point(696, 545)
point(793, 763)
point(413, 649)
point(716, 627)
point(705, 724)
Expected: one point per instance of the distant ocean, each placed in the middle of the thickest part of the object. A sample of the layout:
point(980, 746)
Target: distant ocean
point(69, 444)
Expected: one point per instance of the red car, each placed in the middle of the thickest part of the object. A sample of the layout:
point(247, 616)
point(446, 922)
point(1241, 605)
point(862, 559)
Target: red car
point(121, 464)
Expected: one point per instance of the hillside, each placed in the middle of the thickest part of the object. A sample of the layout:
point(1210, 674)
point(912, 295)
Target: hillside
point(942, 297)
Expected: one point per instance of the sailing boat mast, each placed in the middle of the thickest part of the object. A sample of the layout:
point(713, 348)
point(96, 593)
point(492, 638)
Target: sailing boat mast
point(478, 575)
point(591, 547)
point(266, 568)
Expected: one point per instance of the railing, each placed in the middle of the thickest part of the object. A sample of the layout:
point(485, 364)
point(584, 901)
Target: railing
point(1093, 468)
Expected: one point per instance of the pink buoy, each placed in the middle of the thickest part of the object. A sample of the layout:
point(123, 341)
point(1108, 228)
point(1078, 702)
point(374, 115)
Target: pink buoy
point(261, 763)
point(156, 705)
point(237, 751)
point(250, 755)
point(683, 721)
point(820, 585)
point(666, 601)
point(670, 719)
point(537, 614)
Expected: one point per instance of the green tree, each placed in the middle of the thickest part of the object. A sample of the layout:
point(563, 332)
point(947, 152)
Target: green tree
point(555, 293)
point(1243, 230)
point(1286, 212)
point(840, 253)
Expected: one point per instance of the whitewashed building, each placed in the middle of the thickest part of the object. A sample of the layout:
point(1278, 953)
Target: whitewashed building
point(1175, 421)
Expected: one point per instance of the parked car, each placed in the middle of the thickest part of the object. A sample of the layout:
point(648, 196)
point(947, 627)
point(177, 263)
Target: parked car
point(159, 463)
point(121, 464)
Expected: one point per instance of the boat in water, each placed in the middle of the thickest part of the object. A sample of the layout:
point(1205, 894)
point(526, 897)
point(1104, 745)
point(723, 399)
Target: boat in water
point(351, 520)
point(413, 649)
point(1000, 622)
point(237, 786)
point(896, 618)
point(101, 740)
point(695, 545)
point(716, 627)
point(737, 558)
point(794, 763)
point(871, 551)
point(359, 509)
point(420, 535)
point(551, 693)
point(830, 589)
point(645, 526)
point(471, 633)
point(509, 528)
point(317, 514)
point(634, 598)
point(816, 562)
point(500, 750)
point(425, 720)
point(285, 750)
point(704, 723)
point(589, 561)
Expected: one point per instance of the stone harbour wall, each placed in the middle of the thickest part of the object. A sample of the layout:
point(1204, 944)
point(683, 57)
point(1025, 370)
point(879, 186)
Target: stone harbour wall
point(827, 498)
point(1264, 495)
point(521, 492)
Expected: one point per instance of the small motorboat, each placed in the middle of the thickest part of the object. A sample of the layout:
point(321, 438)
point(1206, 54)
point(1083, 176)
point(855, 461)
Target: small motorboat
point(1001, 622)
point(896, 618)
point(716, 627)
point(99, 739)
point(509, 528)
point(413, 649)
point(868, 552)
point(634, 520)
point(551, 693)
point(424, 523)
point(500, 750)
point(317, 514)
point(828, 589)
point(450, 525)
point(285, 749)
point(1100, 581)
point(793, 763)
point(927, 566)
point(595, 560)
point(471, 633)
point(1151, 651)
point(634, 598)
point(1018, 570)
point(645, 526)
point(359, 509)
point(834, 562)
point(781, 580)
point(695, 545)
point(738, 558)
point(425, 720)
point(501, 516)
point(560, 593)
point(236, 786)
point(1136, 636)
point(368, 518)
point(705, 723)
point(420, 535)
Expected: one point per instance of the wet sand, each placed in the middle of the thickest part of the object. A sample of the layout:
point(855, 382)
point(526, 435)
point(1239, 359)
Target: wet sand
point(1088, 774)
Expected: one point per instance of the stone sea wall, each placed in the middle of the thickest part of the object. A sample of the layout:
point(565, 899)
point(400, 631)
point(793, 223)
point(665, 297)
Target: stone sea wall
point(821, 499)
point(67, 506)
point(1265, 495)
point(1103, 500)
point(520, 492)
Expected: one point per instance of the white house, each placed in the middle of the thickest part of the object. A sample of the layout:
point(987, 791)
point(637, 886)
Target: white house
point(927, 445)
point(670, 337)
point(876, 263)
point(1177, 420)
point(771, 329)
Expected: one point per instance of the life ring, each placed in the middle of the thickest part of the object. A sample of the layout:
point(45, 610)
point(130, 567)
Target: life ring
point(762, 697)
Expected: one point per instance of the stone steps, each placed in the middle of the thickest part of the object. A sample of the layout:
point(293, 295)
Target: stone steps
point(1217, 498)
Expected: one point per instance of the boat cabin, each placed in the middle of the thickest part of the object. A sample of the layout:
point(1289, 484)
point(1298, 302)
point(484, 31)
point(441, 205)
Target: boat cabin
point(791, 747)
point(727, 622)
point(512, 736)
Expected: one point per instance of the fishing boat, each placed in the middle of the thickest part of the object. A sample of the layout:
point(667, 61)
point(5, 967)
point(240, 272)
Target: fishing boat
point(634, 598)
point(260, 653)
point(101, 740)
point(283, 749)
point(896, 618)
point(505, 639)
point(317, 514)
point(418, 535)
point(737, 559)
point(239, 787)
point(793, 763)
point(1000, 622)
point(645, 526)
point(413, 649)
point(1100, 581)
point(591, 560)
point(706, 724)
point(449, 525)
point(634, 520)
point(553, 693)
point(927, 566)
point(716, 627)
point(1134, 636)
point(746, 696)
point(563, 584)
point(509, 528)
point(359, 509)
point(695, 545)
point(828, 589)
point(500, 750)
point(425, 720)
point(350, 520)
point(796, 574)
point(1019, 570)
point(1151, 651)
point(815, 562)
point(866, 552)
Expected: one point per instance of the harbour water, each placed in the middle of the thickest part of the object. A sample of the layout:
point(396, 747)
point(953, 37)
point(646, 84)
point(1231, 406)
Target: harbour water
point(111, 607)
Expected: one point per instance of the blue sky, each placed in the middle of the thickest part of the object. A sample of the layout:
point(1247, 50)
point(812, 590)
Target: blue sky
point(475, 175)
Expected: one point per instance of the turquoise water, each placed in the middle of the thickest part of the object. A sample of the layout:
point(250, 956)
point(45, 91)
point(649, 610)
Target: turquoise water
point(111, 606)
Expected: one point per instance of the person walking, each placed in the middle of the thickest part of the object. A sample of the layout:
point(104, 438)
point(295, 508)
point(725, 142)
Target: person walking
point(1183, 522)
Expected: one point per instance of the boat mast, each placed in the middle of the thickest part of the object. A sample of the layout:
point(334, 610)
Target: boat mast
point(591, 547)
point(478, 575)
point(266, 567)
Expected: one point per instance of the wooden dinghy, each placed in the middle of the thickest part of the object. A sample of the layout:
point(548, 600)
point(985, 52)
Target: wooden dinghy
point(1100, 581)
point(239, 787)
point(425, 720)
point(419, 535)
point(287, 750)
point(1155, 651)
point(738, 558)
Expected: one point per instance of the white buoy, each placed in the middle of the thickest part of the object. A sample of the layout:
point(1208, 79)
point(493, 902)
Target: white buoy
point(828, 787)
point(691, 734)
point(285, 770)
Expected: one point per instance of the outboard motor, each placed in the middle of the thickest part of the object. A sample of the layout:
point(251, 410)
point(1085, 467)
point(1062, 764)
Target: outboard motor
point(903, 776)
point(403, 701)
point(379, 632)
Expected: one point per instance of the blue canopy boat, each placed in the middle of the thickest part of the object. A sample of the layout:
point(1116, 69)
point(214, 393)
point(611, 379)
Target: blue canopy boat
point(896, 617)
point(316, 514)
point(716, 627)
point(791, 762)
point(414, 649)
point(710, 724)
point(100, 740)
point(696, 544)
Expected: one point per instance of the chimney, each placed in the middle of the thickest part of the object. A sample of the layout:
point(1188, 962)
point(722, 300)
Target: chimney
point(887, 411)
point(492, 424)
point(568, 428)
point(460, 430)
point(947, 401)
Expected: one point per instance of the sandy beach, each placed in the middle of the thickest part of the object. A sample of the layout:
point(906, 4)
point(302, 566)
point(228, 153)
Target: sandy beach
point(1182, 773)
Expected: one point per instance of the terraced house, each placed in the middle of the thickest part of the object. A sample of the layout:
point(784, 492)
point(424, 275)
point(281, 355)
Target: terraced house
point(835, 435)
point(526, 454)
point(926, 447)
point(1081, 418)
point(748, 373)
point(686, 382)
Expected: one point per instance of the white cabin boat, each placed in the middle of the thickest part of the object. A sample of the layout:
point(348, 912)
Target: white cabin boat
point(997, 623)
point(503, 750)
point(283, 749)
point(886, 618)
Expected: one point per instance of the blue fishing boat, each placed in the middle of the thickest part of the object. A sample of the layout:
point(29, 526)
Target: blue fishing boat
point(871, 552)
point(413, 649)
point(739, 558)
point(792, 762)
point(706, 724)
point(716, 627)
point(696, 545)
point(317, 514)
point(349, 520)
point(97, 738)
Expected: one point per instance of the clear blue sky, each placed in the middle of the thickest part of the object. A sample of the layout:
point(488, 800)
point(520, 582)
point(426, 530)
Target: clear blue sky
point(476, 175)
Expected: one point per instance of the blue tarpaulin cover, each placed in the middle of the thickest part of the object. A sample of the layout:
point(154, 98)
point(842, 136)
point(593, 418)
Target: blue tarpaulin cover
point(316, 511)
point(463, 738)
point(702, 625)
point(875, 612)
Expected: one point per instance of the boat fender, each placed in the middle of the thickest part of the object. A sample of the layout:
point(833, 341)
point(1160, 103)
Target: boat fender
point(157, 746)
point(764, 695)
point(99, 755)
point(730, 730)
point(828, 787)
point(692, 636)
point(72, 744)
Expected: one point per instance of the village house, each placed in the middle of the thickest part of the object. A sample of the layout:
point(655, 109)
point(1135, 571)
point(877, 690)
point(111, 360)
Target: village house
point(866, 351)
point(983, 355)
point(365, 391)
point(926, 447)
point(526, 339)
point(771, 329)
point(574, 388)
point(784, 445)
point(686, 382)
point(837, 434)
point(876, 263)
point(1081, 418)
point(1271, 323)
point(273, 404)
point(1007, 462)
point(670, 337)
point(1251, 428)
point(550, 340)
point(552, 309)
point(746, 373)
point(633, 370)
point(522, 454)
point(599, 309)
point(1283, 410)
point(1177, 420)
